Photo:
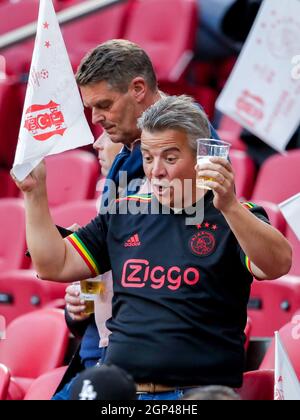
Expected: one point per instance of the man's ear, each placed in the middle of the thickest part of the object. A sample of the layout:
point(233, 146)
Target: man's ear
point(138, 88)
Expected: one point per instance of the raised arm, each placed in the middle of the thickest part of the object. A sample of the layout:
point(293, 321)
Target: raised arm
point(53, 257)
point(268, 250)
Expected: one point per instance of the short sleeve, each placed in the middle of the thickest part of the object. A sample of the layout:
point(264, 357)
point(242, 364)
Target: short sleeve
point(261, 214)
point(90, 243)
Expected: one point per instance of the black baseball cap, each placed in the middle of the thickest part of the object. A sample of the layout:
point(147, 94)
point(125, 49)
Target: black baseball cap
point(104, 382)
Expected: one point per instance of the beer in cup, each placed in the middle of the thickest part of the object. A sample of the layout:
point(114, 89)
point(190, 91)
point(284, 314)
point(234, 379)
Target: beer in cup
point(206, 149)
point(90, 289)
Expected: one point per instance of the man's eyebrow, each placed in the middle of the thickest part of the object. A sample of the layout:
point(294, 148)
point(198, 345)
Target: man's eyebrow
point(103, 102)
point(171, 149)
point(167, 150)
point(100, 103)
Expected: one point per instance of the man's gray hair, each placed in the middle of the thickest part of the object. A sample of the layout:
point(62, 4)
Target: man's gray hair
point(116, 62)
point(176, 113)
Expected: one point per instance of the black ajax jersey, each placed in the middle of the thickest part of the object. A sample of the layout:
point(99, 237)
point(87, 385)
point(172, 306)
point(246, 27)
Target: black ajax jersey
point(180, 293)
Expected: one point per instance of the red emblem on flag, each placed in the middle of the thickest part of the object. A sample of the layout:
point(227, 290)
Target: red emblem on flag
point(45, 121)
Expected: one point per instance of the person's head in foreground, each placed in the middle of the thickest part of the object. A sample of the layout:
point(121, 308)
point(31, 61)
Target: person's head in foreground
point(106, 152)
point(117, 82)
point(170, 129)
point(212, 393)
point(105, 382)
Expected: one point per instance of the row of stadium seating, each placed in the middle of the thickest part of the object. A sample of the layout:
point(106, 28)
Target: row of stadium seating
point(272, 303)
point(80, 176)
point(72, 177)
point(34, 372)
point(280, 171)
point(153, 24)
point(166, 33)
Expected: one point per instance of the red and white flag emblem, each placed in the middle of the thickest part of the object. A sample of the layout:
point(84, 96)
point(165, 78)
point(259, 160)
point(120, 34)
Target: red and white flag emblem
point(45, 121)
point(53, 118)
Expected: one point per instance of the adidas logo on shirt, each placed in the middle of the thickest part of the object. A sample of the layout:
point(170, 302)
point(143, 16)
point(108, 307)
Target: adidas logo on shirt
point(133, 241)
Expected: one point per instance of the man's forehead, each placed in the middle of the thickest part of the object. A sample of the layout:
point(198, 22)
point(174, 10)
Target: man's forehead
point(97, 92)
point(163, 139)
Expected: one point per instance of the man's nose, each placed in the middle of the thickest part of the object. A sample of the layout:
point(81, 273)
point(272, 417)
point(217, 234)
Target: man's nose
point(97, 145)
point(158, 169)
point(97, 116)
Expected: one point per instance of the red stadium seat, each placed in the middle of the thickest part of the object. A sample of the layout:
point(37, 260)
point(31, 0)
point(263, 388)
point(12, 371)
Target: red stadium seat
point(275, 216)
point(258, 385)
point(290, 337)
point(204, 95)
point(62, 4)
point(81, 212)
point(272, 304)
point(84, 34)
point(35, 343)
point(4, 381)
point(278, 178)
point(44, 387)
point(166, 30)
point(244, 169)
point(71, 176)
point(7, 186)
point(224, 68)
point(247, 332)
point(294, 241)
point(16, 14)
point(10, 119)
point(202, 72)
point(12, 234)
point(22, 292)
point(18, 58)
point(230, 131)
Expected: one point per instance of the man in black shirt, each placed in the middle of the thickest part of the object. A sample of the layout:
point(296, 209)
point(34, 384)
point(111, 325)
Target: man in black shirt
point(180, 290)
point(118, 83)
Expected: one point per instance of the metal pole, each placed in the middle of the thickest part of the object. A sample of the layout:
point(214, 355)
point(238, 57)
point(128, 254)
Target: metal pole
point(68, 15)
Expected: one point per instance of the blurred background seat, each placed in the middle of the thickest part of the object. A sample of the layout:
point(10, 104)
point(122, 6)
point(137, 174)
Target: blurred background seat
point(10, 119)
point(35, 344)
point(244, 170)
point(71, 176)
point(258, 385)
point(80, 212)
point(290, 338)
point(275, 216)
point(22, 292)
point(44, 387)
point(272, 304)
point(294, 241)
point(17, 13)
point(166, 33)
point(12, 234)
point(83, 35)
point(4, 381)
point(278, 178)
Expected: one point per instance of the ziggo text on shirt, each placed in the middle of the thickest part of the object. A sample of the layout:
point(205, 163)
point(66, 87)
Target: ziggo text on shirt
point(137, 272)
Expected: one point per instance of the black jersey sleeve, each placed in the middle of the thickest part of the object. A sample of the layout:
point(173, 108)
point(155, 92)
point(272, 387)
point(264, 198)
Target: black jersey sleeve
point(261, 214)
point(91, 243)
